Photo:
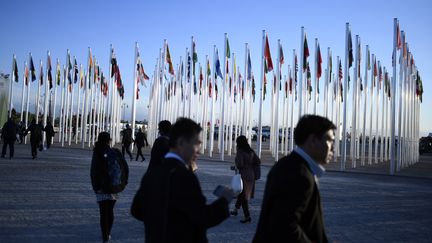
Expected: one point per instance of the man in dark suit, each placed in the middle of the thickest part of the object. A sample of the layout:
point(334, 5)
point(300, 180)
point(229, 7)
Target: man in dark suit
point(161, 144)
point(175, 209)
point(291, 209)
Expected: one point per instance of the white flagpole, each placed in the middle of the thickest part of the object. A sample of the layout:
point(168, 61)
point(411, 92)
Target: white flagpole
point(315, 78)
point(78, 107)
point(27, 102)
point(92, 84)
point(222, 126)
point(276, 129)
point(38, 93)
point(46, 98)
point(55, 96)
point(23, 92)
point(345, 94)
point(62, 89)
point(365, 92)
point(71, 107)
point(231, 107)
point(402, 91)
point(370, 144)
point(381, 159)
point(134, 94)
point(301, 73)
point(354, 107)
point(338, 104)
point(293, 74)
point(377, 136)
point(259, 143)
point(213, 104)
point(83, 109)
point(393, 104)
point(86, 100)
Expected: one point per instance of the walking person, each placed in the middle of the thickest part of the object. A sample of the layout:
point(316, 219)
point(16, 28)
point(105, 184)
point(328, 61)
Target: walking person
point(8, 135)
point(127, 141)
point(49, 133)
point(175, 208)
point(20, 130)
point(161, 144)
point(35, 136)
point(244, 162)
point(140, 141)
point(291, 209)
point(102, 174)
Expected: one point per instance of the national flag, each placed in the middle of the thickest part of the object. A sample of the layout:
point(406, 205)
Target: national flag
point(201, 78)
point(169, 61)
point(350, 50)
point(267, 56)
point(49, 75)
point(208, 68)
point(368, 61)
point(76, 71)
point(26, 75)
point(194, 56)
point(286, 88)
point(309, 79)
point(380, 76)
point(210, 89)
point(228, 51)
point(305, 53)
point(340, 80)
point(216, 91)
point(58, 73)
point(340, 70)
point(113, 62)
point(399, 39)
point(330, 63)
point(218, 67)
point(264, 87)
point(253, 88)
point(15, 69)
point(32, 69)
point(295, 68)
point(249, 74)
point(281, 55)
point(290, 84)
point(419, 87)
point(69, 63)
point(41, 75)
point(81, 77)
point(188, 66)
point(319, 62)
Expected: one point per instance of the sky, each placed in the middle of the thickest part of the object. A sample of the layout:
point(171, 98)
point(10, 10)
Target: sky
point(39, 26)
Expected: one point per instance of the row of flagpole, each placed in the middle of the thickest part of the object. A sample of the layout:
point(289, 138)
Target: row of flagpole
point(181, 92)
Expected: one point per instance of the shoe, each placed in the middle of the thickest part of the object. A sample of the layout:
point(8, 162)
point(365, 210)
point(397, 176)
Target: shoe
point(234, 212)
point(142, 160)
point(246, 220)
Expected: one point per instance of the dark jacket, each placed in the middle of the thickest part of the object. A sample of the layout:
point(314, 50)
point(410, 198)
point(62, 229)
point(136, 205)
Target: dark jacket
point(49, 130)
point(127, 136)
point(9, 131)
point(291, 209)
point(244, 163)
point(159, 150)
point(140, 140)
point(35, 133)
point(99, 170)
point(175, 208)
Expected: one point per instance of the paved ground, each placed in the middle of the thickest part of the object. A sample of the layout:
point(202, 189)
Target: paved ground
point(50, 200)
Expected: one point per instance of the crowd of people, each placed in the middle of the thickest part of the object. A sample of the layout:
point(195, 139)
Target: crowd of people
point(170, 202)
point(173, 208)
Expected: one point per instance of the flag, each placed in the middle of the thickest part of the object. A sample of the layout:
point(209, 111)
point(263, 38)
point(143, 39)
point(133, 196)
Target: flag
point(253, 88)
point(201, 78)
point(295, 68)
point(58, 73)
point(41, 75)
point(264, 87)
point(330, 67)
point(208, 68)
point(305, 53)
point(194, 56)
point(319, 62)
point(368, 61)
point(228, 51)
point(267, 56)
point(249, 74)
point(281, 55)
point(76, 72)
point(340, 80)
point(286, 88)
point(81, 77)
point(309, 79)
point(350, 50)
point(188, 66)
point(358, 65)
point(419, 87)
point(218, 67)
point(216, 90)
point(169, 61)
point(399, 39)
point(32, 69)
point(15, 70)
point(340, 70)
point(26, 75)
point(49, 72)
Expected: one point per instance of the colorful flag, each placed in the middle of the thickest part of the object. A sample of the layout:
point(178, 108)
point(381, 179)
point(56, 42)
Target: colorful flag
point(249, 74)
point(305, 53)
point(281, 55)
point(76, 71)
point(49, 75)
point(228, 51)
point(419, 87)
point(253, 88)
point(194, 56)
point(218, 66)
point(15, 70)
point(201, 78)
point(350, 50)
point(41, 75)
point(309, 80)
point(267, 56)
point(26, 75)
point(208, 68)
point(319, 62)
point(81, 77)
point(32, 69)
point(169, 61)
point(330, 66)
point(58, 73)
point(399, 39)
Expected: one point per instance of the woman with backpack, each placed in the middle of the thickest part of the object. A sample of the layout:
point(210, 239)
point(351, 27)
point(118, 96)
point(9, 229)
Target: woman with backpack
point(107, 167)
point(244, 162)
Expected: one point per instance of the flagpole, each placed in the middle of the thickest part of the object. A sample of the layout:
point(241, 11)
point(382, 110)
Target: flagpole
point(46, 97)
point(71, 107)
point(23, 91)
point(326, 88)
point(354, 108)
point(338, 103)
point(134, 94)
point(55, 92)
point(316, 77)
point(367, 65)
point(78, 107)
point(301, 73)
point(261, 97)
point(12, 80)
point(62, 85)
point(345, 94)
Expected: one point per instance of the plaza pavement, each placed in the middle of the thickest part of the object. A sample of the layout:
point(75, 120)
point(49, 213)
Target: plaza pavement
point(50, 200)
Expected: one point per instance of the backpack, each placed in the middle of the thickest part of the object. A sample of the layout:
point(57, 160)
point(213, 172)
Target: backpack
point(256, 166)
point(37, 132)
point(118, 171)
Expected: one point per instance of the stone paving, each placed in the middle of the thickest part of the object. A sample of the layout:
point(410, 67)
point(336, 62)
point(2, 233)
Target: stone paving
point(50, 200)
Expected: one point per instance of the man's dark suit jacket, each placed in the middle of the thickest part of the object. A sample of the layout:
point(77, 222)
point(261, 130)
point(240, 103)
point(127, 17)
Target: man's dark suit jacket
point(175, 209)
point(291, 209)
point(159, 150)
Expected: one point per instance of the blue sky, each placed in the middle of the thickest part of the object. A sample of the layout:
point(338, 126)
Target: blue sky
point(38, 26)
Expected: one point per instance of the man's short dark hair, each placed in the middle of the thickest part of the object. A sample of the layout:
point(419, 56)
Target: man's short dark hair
point(311, 125)
point(164, 127)
point(183, 128)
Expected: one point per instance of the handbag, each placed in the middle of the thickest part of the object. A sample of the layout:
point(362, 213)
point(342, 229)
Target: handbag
point(237, 184)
